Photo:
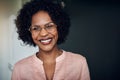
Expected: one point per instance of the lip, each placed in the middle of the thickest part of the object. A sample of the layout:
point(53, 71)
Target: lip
point(45, 41)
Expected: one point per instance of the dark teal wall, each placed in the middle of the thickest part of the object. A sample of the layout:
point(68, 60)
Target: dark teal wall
point(95, 33)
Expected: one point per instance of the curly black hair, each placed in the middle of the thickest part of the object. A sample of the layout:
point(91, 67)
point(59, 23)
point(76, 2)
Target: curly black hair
point(55, 11)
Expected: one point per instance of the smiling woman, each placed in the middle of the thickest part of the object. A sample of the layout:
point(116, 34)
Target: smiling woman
point(45, 24)
point(47, 37)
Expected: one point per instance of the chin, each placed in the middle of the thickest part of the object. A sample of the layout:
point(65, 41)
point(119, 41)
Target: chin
point(47, 48)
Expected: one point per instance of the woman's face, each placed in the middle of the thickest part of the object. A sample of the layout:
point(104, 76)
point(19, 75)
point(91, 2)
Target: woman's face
point(44, 31)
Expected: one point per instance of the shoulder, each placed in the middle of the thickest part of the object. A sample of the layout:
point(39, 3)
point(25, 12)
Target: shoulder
point(25, 61)
point(75, 57)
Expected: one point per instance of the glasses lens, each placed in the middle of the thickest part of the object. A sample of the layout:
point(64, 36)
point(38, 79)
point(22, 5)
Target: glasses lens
point(48, 27)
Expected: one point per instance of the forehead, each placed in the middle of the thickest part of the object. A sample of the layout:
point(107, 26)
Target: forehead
point(41, 17)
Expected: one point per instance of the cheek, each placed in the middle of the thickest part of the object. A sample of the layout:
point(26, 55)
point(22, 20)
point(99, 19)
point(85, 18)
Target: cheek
point(55, 34)
point(56, 37)
point(34, 36)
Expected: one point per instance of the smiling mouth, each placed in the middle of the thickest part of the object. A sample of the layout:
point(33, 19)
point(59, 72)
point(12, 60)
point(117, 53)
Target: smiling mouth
point(45, 41)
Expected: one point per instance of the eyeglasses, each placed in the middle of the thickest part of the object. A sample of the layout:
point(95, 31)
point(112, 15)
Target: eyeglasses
point(49, 27)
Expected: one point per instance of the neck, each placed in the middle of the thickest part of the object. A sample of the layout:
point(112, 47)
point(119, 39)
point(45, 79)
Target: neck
point(49, 56)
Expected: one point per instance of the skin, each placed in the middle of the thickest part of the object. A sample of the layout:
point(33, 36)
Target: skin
point(48, 51)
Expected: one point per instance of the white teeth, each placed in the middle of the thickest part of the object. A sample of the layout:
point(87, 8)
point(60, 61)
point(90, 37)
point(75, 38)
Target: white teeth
point(46, 41)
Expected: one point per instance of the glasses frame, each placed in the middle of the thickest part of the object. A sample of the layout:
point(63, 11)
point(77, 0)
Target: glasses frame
point(49, 27)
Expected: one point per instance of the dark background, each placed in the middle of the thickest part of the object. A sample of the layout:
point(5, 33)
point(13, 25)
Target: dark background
point(95, 34)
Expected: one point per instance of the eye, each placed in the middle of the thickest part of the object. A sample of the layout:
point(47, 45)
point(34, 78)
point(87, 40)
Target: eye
point(35, 28)
point(50, 25)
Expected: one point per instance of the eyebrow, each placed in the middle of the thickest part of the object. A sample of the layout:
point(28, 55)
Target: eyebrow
point(39, 25)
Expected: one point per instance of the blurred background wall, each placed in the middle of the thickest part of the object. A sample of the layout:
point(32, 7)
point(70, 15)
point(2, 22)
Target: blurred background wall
point(94, 33)
point(6, 8)
point(9, 46)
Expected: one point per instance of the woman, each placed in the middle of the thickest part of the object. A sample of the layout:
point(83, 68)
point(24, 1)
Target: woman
point(45, 24)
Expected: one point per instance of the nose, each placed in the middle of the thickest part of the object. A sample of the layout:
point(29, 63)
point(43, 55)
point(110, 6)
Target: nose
point(43, 32)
